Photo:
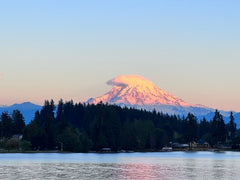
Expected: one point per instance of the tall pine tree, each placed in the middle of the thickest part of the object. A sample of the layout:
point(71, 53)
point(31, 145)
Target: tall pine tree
point(18, 122)
point(218, 129)
point(231, 127)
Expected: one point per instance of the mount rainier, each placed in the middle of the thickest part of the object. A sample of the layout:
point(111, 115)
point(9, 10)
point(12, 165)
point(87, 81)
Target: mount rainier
point(138, 92)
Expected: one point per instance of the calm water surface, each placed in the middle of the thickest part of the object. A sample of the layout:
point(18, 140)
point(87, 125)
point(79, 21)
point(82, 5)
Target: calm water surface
point(165, 165)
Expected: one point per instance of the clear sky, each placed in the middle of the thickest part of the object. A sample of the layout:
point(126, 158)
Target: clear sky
point(69, 49)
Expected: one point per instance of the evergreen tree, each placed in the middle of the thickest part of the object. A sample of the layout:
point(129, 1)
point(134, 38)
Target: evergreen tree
point(129, 139)
point(116, 128)
point(218, 129)
point(143, 129)
point(86, 143)
point(59, 111)
point(204, 128)
point(6, 125)
point(48, 119)
point(231, 127)
point(18, 122)
point(190, 128)
point(69, 140)
point(161, 138)
point(35, 134)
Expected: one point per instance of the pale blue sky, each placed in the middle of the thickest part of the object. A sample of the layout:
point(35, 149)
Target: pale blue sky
point(69, 49)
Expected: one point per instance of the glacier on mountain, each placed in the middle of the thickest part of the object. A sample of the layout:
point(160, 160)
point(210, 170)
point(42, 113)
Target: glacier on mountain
point(137, 90)
point(140, 93)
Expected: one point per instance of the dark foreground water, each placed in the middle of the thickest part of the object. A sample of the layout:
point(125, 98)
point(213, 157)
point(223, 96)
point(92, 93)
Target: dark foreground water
point(165, 165)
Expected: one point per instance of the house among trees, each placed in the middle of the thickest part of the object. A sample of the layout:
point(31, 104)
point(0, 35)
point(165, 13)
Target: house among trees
point(106, 150)
point(200, 144)
point(180, 146)
point(18, 136)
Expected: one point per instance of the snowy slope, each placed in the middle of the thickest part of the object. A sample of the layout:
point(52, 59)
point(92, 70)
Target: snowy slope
point(138, 92)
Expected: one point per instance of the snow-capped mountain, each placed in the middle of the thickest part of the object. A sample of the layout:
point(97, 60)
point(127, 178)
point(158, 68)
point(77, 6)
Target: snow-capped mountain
point(138, 92)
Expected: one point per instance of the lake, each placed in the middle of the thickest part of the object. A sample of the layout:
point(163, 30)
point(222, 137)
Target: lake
point(159, 165)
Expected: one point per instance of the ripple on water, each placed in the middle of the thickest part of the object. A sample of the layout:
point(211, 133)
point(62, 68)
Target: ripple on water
point(121, 166)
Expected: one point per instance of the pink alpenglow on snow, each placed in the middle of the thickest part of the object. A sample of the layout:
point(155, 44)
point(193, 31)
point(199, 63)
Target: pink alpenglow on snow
point(137, 90)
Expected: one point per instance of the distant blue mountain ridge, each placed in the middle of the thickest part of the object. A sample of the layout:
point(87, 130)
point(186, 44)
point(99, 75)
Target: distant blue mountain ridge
point(199, 112)
point(28, 110)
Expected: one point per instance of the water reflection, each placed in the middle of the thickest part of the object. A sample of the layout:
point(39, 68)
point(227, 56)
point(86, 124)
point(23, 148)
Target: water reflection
point(119, 166)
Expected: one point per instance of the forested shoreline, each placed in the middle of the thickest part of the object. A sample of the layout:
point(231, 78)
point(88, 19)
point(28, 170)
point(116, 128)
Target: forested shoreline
point(84, 127)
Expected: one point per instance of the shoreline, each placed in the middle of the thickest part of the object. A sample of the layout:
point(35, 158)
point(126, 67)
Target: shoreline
point(116, 152)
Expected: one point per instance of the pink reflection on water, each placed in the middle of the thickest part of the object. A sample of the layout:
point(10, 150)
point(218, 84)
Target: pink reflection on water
point(147, 171)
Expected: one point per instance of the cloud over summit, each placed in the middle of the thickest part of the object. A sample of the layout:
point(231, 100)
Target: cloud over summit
point(129, 80)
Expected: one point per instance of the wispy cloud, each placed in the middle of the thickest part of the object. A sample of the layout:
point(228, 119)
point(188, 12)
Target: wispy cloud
point(2, 75)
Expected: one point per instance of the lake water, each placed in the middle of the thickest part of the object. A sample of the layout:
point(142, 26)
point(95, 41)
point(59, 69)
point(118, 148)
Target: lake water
point(164, 165)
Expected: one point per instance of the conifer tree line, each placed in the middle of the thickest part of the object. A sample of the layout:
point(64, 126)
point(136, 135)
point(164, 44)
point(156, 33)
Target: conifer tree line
point(84, 127)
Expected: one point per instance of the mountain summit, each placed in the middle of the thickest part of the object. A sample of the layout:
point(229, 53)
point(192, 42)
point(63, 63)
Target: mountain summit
point(140, 93)
point(137, 90)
